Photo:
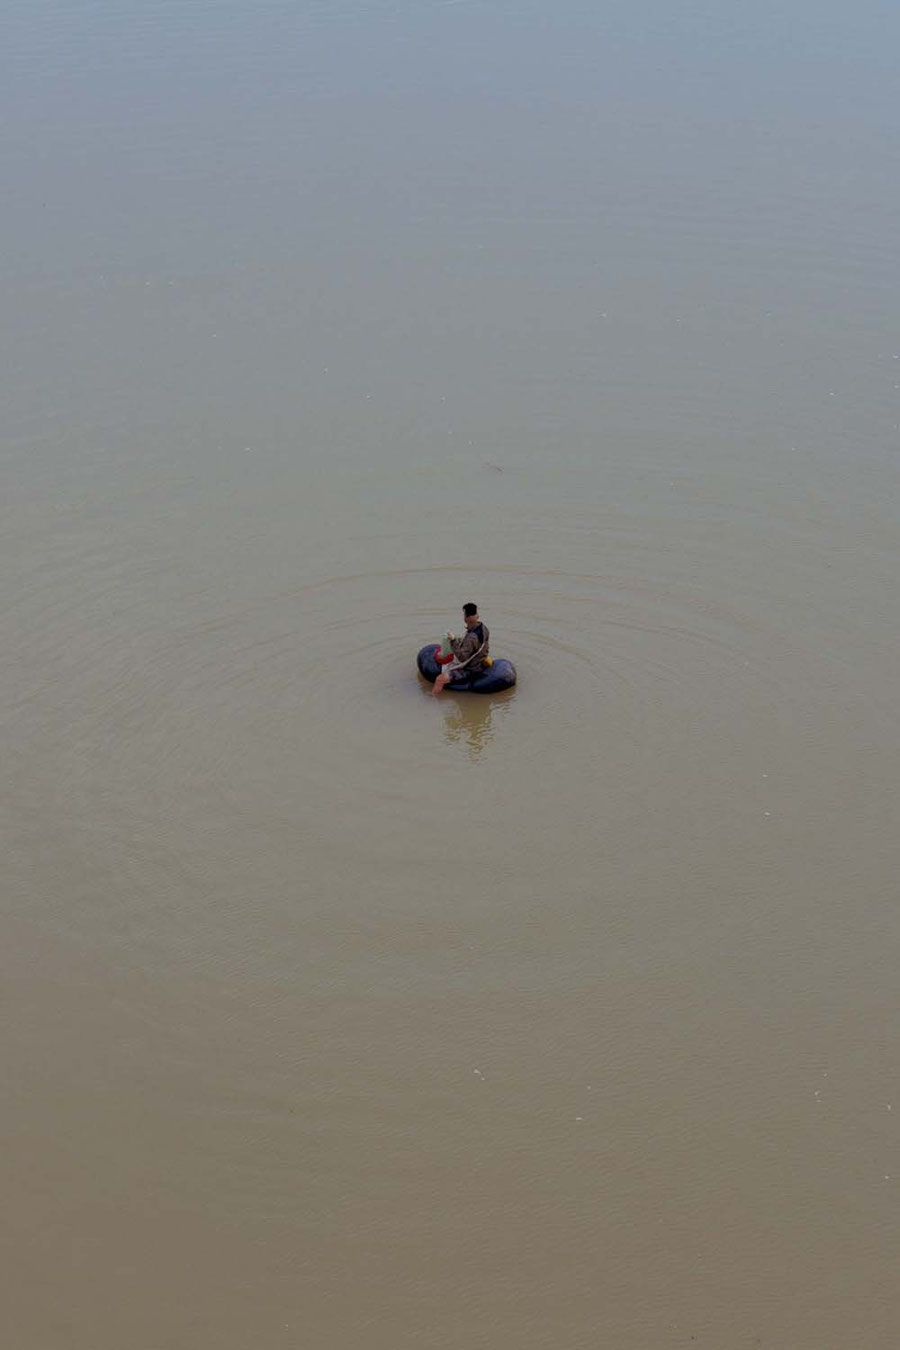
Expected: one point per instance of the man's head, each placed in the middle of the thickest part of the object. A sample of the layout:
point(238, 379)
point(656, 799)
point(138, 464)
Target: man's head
point(470, 614)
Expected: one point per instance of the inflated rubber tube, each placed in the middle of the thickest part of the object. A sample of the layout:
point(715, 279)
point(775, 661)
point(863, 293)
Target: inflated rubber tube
point(499, 675)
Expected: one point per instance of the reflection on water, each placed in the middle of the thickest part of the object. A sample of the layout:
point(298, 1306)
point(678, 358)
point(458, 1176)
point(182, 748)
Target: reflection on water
point(469, 720)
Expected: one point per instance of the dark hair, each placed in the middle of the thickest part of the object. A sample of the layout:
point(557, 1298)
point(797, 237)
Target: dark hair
point(470, 610)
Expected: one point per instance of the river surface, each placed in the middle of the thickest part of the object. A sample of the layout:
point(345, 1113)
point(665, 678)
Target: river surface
point(336, 1016)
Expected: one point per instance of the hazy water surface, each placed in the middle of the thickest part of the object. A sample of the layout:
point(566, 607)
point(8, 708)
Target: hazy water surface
point(335, 1016)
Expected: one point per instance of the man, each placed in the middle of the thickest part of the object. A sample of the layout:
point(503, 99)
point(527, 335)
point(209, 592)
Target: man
point(469, 651)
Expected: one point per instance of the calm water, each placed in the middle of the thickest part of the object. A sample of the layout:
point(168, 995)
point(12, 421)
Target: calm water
point(336, 1017)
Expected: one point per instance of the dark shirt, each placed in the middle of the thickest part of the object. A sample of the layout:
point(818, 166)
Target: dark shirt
point(471, 649)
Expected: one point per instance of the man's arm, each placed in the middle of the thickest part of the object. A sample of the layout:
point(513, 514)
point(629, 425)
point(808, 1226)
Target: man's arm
point(465, 646)
point(472, 646)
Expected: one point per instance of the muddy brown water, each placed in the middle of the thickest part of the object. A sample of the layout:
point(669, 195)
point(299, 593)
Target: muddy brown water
point(335, 1016)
